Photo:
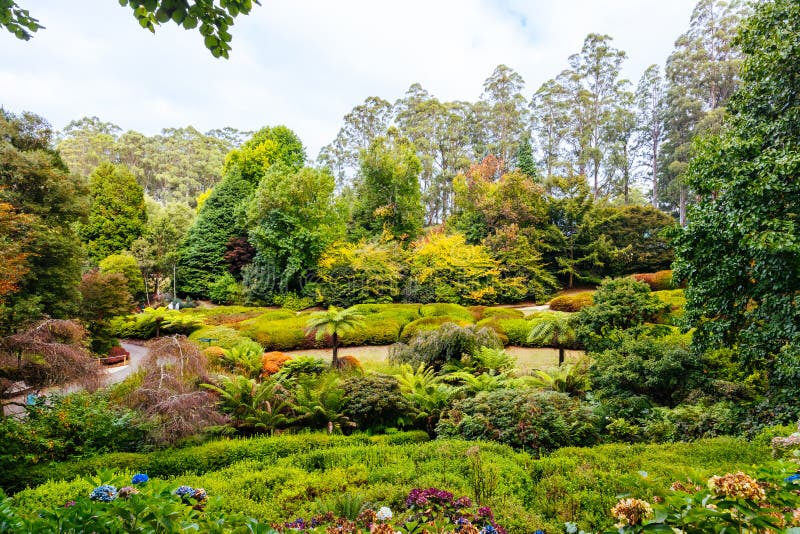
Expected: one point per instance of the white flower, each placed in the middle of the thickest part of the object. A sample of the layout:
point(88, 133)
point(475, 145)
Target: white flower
point(384, 514)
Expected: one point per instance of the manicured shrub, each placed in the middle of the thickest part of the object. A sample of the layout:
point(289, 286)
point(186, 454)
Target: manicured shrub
point(117, 351)
point(427, 324)
point(376, 330)
point(515, 330)
point(572, 303)
point(658, 281)
point(293, 302)
point(502, 313)
point(375, 402)
point(287, 333)
point(446, 309)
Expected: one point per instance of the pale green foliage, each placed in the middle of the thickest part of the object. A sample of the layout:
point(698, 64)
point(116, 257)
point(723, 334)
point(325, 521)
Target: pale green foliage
point(572, 379)
point(320, 401)
point(489, 360)
point(425, 391)
point(244, 357)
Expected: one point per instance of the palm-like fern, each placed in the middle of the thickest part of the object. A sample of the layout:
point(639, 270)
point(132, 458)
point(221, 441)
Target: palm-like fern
point(426, 392)
point(334, 323)
point(320, 401)
point(557, 333)
point(494, 361)
point(472, 384)
point(264, 407)
point(571, 379)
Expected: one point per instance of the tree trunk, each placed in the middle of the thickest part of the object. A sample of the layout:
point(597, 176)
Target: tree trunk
point(682, 206)
point(335, 360)
point(655, 173)
point(560, 356)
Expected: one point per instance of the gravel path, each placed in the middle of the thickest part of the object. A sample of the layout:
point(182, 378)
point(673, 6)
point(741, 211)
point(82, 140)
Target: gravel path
point(118, 374)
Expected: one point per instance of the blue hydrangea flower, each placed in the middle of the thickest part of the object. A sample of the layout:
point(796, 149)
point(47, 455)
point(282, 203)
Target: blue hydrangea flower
point(488, 529)
point(793, 478)
point(104, 493)
point(139, 478)
point(184, 491)
point(540, 531)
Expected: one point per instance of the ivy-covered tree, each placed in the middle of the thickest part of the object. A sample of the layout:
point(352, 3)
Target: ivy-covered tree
point(292, 220)
point(117, 214)
point(740, 251)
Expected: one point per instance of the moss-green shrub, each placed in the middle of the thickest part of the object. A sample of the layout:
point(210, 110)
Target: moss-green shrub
point(222, 336)
point(377, 330)
point(502, 313)
point(199, 459)
point(225, 315)
point(446, 309)
point(676, 300)
point(546, 315)
point(516, 330)
point(283, 333)
point(428, 323)
point(572, 303)
point(282, 330)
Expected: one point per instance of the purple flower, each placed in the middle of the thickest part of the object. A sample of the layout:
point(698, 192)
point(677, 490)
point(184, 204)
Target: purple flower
point(104, 493)
point(69, 504)
point(184, 491)
point(485, 511)
point(463, 502)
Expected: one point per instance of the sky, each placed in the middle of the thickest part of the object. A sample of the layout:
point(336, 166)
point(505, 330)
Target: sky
point(306, 63)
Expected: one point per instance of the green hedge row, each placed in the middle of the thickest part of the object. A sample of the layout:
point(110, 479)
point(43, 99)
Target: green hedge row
point(280, 478)
point(199, 459)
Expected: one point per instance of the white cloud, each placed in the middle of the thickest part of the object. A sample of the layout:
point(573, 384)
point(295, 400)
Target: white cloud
point(305, 63)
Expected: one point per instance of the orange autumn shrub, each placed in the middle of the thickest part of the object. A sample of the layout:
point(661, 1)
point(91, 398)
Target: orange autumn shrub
point(657, 281)
point(271, 362)
point(349, 363)
point(572, 303)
